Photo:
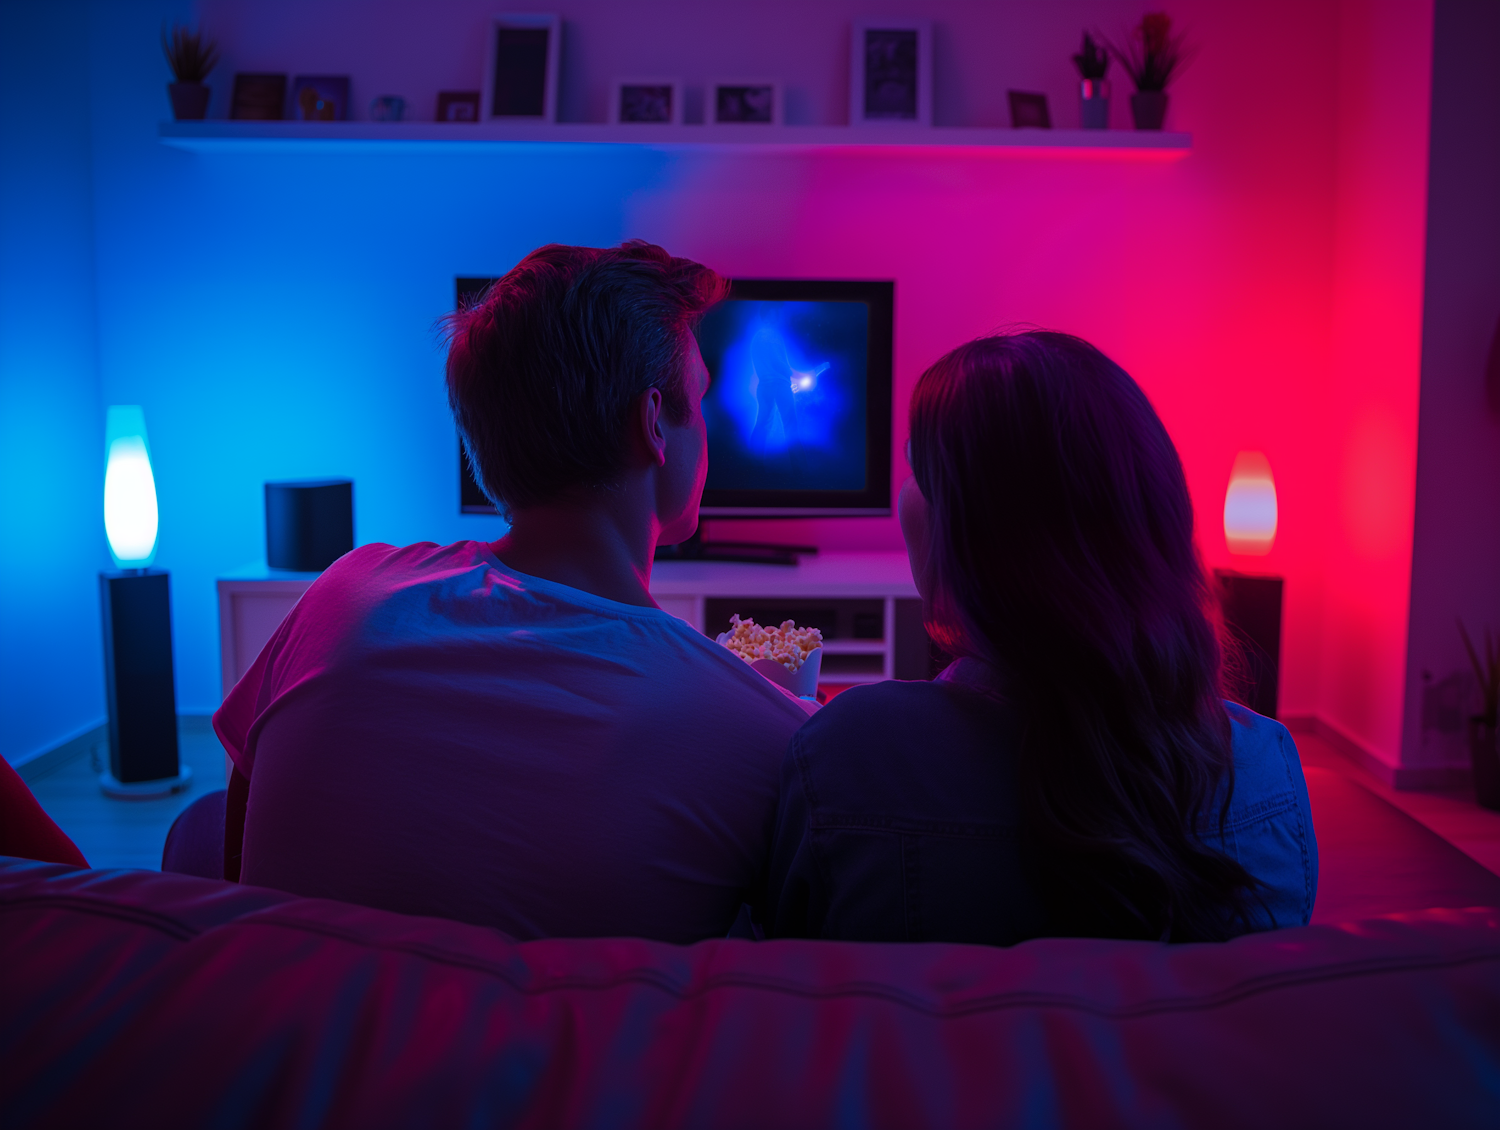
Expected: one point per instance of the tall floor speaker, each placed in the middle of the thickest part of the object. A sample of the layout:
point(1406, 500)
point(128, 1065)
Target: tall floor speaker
point(1252, 615)
point(142, 700)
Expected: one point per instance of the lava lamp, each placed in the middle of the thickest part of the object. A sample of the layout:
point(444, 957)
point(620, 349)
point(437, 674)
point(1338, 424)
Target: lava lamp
point(1250, 506)
point(135, 602)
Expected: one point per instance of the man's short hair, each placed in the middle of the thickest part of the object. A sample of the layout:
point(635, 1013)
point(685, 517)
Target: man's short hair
point(542, 371)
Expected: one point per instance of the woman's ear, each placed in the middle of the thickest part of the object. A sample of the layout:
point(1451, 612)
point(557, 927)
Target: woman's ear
point(647, 427)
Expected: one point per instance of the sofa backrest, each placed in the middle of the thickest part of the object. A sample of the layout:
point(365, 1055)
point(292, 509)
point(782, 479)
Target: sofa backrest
point(140, 999)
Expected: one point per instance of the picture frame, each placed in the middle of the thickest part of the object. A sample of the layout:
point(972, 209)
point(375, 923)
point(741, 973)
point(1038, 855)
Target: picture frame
point(1028, 111)
point(743, 102)
point(320, 98)
point(521, 65)
point(646, 101)
point(890, 72)
point(458, 106)
point(258, 98)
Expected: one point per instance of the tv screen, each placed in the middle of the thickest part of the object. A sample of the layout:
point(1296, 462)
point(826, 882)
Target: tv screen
point(799, 402)
point(799, 405)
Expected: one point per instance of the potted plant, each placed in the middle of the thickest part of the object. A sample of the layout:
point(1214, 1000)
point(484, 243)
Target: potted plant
point(1482, 749)
point(1151, 57)
point(1093, 99)
point(191, 58)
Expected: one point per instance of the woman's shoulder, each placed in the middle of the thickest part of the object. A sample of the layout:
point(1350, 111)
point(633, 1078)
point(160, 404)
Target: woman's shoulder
point(1267, 767)
point(900, 720)
point(926, 751)
point(875, 707)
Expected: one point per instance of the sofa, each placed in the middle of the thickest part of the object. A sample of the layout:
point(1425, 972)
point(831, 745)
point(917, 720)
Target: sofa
point(135, 998)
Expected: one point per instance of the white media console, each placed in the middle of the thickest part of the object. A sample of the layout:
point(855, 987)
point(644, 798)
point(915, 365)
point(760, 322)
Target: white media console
point(865, 602)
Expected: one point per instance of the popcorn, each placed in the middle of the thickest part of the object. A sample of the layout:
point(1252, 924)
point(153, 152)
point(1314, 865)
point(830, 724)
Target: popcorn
point(788, 645)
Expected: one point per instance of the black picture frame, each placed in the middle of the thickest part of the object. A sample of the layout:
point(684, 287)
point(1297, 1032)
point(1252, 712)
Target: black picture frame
point(890, 88)
point(1028, 111)
point(320, 98)
point(890, 73)
point(258, 98)
point(746, 103)
point(653, 103)
point(457, 106)
point(521, 71)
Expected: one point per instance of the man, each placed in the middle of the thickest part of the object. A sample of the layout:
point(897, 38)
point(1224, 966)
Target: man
point(513, 734)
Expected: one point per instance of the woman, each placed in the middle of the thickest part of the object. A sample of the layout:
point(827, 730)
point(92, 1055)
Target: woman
point(1075, 771)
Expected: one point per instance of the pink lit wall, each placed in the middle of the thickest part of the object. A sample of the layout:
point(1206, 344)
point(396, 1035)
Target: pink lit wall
point(1230, 282)
point(1365, 450)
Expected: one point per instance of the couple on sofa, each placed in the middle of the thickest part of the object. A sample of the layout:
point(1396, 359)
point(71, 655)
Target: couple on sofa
point(513, 734)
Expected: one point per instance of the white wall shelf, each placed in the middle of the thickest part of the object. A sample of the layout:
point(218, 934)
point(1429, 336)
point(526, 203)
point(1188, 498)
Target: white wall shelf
point(302, 137)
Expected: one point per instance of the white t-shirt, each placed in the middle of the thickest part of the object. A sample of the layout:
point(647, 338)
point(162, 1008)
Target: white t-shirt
point(433, 733)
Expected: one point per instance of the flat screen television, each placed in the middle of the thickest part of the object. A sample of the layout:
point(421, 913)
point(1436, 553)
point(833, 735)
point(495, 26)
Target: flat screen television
point(799, 402)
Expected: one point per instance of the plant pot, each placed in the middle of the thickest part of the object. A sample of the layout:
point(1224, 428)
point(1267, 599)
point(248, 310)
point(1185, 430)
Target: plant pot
point(1093, 103)
point(1485, 758)
point(189, 100)
point(1149, 108)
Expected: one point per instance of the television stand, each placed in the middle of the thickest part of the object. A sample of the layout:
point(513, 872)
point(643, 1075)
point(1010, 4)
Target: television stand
point(744, 552)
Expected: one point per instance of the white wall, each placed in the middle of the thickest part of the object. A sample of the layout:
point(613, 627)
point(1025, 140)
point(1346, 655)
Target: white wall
point(1456, 556)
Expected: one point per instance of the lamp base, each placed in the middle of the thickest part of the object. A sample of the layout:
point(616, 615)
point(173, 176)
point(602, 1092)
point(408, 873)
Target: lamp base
point(145, 790)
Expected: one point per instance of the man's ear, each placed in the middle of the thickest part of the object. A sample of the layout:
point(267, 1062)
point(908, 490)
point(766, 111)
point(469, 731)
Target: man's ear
point(648, 427)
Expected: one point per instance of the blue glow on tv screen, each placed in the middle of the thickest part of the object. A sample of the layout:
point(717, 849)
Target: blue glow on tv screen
point(799, 404)
point(799, 401)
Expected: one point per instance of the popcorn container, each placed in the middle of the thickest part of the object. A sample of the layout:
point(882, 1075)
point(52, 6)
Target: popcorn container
point(774, 649)
point(802, 682)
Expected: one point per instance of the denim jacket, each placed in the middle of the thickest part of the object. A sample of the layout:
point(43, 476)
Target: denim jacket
point(898, 820)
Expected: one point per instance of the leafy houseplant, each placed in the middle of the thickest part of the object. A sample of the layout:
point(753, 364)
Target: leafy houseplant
point(1483, 752)
point(1093, 99)
point(191, 58)
point(1151, 56)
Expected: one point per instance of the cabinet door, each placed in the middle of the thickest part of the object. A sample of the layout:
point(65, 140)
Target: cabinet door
point(249, 614)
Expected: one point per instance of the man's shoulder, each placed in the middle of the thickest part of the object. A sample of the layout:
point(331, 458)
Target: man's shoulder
point(715, 674)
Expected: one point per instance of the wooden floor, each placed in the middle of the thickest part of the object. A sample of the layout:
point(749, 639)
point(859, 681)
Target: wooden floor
point(130, 833)
point(1454, 815)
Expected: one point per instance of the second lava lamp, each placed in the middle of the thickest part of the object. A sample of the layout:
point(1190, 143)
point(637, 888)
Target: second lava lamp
point(1251, 604)
point(135, 601)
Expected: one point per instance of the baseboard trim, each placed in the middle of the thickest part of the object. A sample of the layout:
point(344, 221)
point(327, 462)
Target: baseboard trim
point(1411, 778)
point(51, 760)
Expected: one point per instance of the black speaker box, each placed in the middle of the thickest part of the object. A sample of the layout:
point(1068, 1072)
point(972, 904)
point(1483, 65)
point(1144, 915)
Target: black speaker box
point(138, 681)
point(1252, 614)
point(309, 525)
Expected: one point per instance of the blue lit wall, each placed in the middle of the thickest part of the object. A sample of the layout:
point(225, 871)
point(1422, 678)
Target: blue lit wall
point(51, 426)
point(273, 312)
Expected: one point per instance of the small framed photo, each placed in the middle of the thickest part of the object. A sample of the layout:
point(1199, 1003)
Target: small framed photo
point(749, 101)
point(890, 72)
point(1028, 111)
point(457, 106)
point(258, 98)
point(521, 72)
point(320, 98)
point(648, 100)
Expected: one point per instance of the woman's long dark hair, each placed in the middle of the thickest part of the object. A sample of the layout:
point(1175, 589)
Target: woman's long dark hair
point(1061, 551)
